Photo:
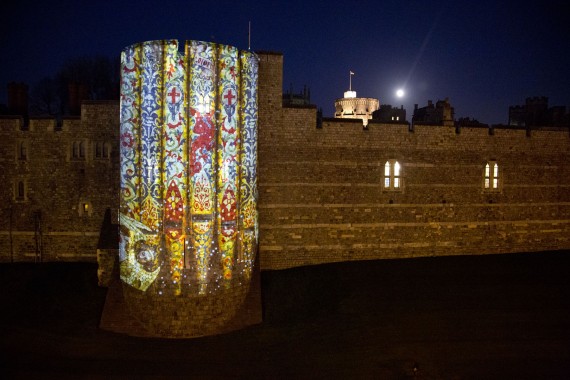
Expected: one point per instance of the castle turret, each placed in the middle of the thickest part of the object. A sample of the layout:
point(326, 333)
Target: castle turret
point(351, 107)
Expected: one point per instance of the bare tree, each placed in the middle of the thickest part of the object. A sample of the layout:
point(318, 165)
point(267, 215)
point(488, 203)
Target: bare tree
point(82, 78)
point(45, 98)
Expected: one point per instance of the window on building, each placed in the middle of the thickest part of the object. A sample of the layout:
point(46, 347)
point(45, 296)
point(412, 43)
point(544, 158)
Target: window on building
point(85, 208)
point(98, 149)
point(491, 182)
point(75, 151)
point(78, 150)
point(392, 175)
point(102, 150)
point(23, 150)
point(20, 191)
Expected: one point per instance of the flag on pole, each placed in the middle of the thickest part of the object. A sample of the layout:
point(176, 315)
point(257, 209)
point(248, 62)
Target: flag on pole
point(351, 73)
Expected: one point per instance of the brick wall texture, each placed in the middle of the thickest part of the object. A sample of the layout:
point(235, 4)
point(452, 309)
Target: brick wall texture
point(321, 199)
point(321, 195)
point(50, 222)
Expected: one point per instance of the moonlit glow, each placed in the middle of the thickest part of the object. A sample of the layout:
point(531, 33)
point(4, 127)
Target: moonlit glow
point(400, 93)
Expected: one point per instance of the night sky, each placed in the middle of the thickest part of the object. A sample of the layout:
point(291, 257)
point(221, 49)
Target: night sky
point(483, 55)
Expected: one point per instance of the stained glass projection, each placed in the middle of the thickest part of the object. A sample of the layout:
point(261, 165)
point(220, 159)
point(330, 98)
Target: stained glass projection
point(188, 202)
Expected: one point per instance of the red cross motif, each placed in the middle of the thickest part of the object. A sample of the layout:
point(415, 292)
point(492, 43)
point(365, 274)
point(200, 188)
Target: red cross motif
point(229, 96)
point(173, 94)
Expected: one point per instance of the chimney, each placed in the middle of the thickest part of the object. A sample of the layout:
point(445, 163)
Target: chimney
point(18, 98)
point(77, 92)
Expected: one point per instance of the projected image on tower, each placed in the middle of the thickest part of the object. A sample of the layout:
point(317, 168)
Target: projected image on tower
point(188, 208)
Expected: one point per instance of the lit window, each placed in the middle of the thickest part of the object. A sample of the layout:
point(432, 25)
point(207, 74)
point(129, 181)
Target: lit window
point(392, 177)
point(491, 176)
point(85, 209)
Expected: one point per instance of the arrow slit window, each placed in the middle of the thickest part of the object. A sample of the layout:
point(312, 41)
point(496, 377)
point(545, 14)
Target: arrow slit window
point(23, 151)
point(20, 191)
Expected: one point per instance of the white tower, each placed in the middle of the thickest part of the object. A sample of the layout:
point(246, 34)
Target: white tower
point(351, 107)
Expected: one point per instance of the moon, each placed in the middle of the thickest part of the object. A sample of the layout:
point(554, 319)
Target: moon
point(400, 93)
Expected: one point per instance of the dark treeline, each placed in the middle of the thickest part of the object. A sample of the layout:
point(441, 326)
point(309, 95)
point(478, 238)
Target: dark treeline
point(81, 78)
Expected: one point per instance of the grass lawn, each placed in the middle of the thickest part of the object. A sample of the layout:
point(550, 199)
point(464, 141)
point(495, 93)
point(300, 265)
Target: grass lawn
point(465, 317)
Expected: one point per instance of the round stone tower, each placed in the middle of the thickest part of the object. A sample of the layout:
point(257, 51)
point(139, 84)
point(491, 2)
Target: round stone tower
point(351, 107)
point(188, 204)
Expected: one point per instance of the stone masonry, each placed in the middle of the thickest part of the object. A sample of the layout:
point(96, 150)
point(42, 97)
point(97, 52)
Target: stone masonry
point(322, 197)
point(65, 191)
point(321, 194)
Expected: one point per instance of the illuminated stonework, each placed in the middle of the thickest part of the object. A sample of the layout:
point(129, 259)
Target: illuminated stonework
point(188, 207)
point(351, 107)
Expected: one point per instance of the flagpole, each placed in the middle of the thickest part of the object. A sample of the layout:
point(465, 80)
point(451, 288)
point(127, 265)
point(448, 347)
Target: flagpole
point(350, 81)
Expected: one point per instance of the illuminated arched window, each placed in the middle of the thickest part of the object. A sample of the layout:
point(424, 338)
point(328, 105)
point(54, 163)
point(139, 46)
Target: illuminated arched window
point(392, 177)
point(491, 176)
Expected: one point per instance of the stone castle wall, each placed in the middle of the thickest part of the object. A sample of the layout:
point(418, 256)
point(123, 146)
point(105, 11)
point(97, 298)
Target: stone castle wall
point(51, 222)
point(322, 197)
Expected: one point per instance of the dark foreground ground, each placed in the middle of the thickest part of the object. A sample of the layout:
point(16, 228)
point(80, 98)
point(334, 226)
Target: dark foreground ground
point(471, 317)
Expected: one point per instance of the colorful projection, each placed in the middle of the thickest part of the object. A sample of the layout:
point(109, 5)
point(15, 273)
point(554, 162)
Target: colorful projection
point(188, 204)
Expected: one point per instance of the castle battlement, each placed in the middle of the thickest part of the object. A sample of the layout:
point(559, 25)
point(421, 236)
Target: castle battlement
point(327, 191)
point(322, 190)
